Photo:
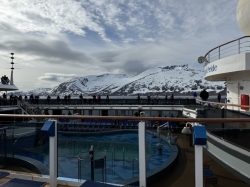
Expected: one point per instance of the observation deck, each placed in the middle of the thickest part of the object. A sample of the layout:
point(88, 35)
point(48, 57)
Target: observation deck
point(225, 130)
point(228, 61)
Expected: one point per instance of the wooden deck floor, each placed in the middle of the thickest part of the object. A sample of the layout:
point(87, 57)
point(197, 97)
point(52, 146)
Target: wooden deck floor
point(183, 173)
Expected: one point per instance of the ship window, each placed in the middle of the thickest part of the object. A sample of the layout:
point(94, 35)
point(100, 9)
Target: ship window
point(95, 112)
point(111, 112)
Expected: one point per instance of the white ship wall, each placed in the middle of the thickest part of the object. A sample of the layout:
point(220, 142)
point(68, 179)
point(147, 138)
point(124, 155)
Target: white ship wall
point(235, 71)
point(222, 69)
point(236, 86)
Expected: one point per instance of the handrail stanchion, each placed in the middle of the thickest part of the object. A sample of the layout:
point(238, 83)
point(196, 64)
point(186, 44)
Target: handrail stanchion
point(239, 46)
point(219, 52)
point(199, 140)
point(50, 127)
point(142, 153)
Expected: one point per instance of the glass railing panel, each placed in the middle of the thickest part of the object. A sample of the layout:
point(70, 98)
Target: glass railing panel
point(23, 145)
point(236, 136)
point(116, 150)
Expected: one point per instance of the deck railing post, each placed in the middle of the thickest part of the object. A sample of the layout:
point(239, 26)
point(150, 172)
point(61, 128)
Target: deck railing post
point(142, 154)
point(50, 127)
point(199, 140)
point(219, 52)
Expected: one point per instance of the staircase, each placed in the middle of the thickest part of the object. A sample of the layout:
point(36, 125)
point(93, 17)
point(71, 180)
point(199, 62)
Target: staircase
point(26, 109)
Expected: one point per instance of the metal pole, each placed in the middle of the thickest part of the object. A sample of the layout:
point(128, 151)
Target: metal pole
point(53, 158)
point(219, 52)
point(223, 125)
point(239, 46)
point(91, 154)
point(198, 165)
point(105, 170)
point(142, 154)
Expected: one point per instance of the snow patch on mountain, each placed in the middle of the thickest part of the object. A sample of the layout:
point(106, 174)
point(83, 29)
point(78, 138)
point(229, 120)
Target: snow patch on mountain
point(181, 80)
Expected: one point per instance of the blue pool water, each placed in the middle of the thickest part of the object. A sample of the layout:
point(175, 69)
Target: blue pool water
point(121, 149)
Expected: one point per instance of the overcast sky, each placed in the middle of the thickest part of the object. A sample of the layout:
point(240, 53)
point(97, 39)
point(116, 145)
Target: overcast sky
point(55, 40)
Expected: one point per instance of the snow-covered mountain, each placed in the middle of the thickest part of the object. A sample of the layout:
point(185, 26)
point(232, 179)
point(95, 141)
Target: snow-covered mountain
point(177, 79)
point(38, 91)
point(180, 80)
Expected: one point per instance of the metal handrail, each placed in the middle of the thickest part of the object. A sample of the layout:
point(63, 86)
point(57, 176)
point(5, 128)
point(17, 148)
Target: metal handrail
point(223, 104)
point(198, 120)
point(221, 51)
point(225, 44)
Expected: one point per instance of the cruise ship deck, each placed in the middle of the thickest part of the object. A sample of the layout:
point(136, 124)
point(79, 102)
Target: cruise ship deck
point(182, 174)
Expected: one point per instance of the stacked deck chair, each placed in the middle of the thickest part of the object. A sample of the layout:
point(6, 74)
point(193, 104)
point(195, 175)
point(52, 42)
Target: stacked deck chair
point(96, 184)
point(23, 183)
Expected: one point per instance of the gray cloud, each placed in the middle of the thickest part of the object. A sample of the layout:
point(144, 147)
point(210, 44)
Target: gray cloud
point(106, 56)
point(134, 67)
point(56, 77)
point(53, 50)
point(94, 37)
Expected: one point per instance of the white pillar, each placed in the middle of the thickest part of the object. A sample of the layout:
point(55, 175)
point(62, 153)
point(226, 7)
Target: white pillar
point(142, 154)
point(53, 158)
point(198, 165)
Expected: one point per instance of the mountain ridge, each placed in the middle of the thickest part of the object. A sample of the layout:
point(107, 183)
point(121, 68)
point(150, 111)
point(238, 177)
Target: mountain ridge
point(178, 79)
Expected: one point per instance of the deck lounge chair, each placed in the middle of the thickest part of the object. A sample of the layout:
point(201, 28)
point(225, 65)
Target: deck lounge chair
point(209, 177)
point(23, 183)
point(206, 166)
point(210, 180)
point(3, 174)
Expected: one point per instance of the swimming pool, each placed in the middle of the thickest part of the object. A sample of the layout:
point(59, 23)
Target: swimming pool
point(120, 147)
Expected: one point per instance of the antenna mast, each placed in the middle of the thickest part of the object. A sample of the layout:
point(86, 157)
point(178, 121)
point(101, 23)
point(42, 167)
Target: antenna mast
point(12, 68)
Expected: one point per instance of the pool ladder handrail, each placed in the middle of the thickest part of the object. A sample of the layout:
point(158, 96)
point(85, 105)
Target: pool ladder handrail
point(82, 159)
point(79, 165)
